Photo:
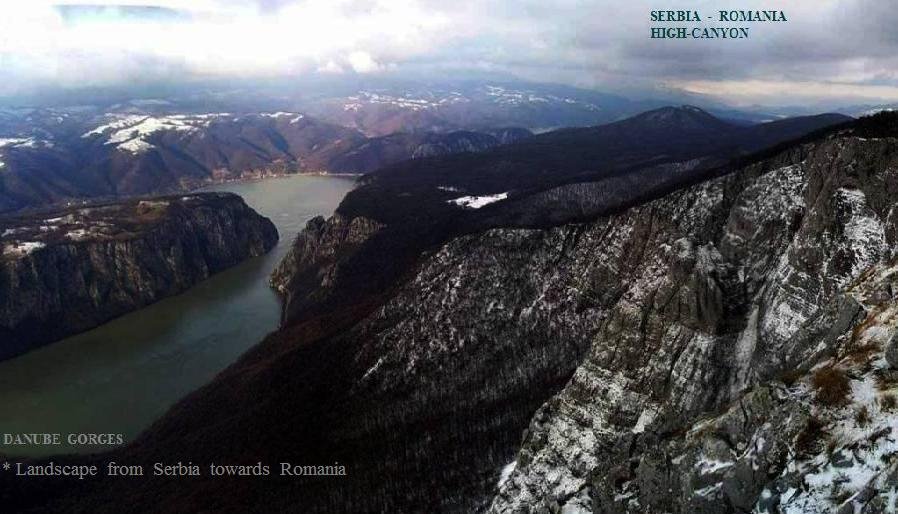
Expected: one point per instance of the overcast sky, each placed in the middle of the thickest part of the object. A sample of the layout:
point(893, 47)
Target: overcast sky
point(830, 52)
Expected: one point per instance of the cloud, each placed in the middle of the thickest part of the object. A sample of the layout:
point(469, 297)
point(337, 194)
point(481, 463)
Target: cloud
point(830, 50)
point(362, 62)
point(330, 67)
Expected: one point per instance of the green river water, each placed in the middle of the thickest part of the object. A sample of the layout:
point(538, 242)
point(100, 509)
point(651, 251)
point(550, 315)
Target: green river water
point(120, 377)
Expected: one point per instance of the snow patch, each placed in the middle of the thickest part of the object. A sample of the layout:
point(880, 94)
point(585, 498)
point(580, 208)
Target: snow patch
point(476, 202)
point(22, 249)
point(279, 114)
point(863, 230)
point(507, 470)
point(647, 416)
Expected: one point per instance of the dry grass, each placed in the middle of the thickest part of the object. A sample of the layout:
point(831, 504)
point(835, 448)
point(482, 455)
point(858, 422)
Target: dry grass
point(862, 354)
point(831, 447)
point(862, 416)
point(888, 402)
point(831, 386)
point(809, 439)
point(885, 379)
point(791, 377)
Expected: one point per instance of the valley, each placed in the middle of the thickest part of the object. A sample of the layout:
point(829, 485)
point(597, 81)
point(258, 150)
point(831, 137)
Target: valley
point(121, 376)
point(476, 296)
point(65, 156)
point(408, 329)
point(401, 257)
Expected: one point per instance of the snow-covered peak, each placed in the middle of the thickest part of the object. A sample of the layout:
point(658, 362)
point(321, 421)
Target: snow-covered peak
point(130, 132)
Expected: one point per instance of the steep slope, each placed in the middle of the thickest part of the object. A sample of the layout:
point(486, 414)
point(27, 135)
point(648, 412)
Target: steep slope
point(663, 136)
point(63, 272)
point(564, 176)
point(740, 281)
point(380, 151)
point(622, 333)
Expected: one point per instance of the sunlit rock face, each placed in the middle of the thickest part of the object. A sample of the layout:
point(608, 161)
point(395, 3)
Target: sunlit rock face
point(679, 405)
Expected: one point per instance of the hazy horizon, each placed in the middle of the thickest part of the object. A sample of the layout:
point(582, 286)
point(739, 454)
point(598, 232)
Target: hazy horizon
point(48, 47)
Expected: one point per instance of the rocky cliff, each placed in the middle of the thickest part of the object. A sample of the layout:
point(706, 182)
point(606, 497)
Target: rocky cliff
point(693, 329)
point(729, 347)
point(732, 304)
point(63, 272)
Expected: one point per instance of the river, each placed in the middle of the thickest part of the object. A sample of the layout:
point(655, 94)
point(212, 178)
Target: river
point(120, 377)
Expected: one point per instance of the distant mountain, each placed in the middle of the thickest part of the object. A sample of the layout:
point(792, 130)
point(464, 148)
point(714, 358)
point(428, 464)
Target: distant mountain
point(376, 152)
point(685, 135)
point(381, 104)
point(558, 177)
point(54, 155)
point(57, 155)
point(385, 108)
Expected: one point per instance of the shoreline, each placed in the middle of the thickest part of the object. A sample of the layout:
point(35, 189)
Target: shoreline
point(99, 200)
point(245, 180)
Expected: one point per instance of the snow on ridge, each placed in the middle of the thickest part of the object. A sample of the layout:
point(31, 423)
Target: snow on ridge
point(406, 101)
point(120, 123)
point(129, 132)
point(279, 114)
point(135, 146)
point(15, 141)
point(22, 249)
point(29, 142)
point(476, 202)
point(148, 126)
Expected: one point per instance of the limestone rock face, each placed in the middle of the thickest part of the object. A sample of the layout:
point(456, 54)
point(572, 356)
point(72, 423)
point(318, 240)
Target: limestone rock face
point(314, 259)
point(67, 271)
point(659, 339)
point(736, 283)
point(892, 352)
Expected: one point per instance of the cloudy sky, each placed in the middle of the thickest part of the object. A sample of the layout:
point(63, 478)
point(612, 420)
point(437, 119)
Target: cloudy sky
point(830, 52)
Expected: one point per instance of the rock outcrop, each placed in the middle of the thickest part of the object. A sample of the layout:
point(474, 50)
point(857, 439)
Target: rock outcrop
point(63, 272)
point(730, 287)
point(312, 261)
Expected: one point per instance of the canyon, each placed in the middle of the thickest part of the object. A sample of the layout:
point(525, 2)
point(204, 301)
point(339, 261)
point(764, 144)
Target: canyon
point(66, 271)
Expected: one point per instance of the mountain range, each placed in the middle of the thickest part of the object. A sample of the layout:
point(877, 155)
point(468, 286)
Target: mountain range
point(56, 155)
point(703, 324)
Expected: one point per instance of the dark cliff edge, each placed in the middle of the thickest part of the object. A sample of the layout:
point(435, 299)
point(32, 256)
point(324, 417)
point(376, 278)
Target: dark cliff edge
point(66, 271)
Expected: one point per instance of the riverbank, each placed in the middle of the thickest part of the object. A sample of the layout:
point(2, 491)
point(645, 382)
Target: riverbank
point(119, 377)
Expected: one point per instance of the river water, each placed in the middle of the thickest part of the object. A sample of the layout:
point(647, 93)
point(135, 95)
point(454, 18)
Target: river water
point(120, 377)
